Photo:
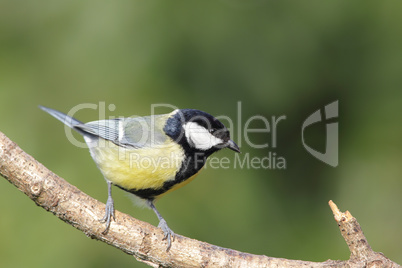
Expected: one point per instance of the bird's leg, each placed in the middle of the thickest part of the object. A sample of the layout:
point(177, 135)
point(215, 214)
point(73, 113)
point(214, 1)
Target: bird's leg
point(169, 234)
point(109, 209)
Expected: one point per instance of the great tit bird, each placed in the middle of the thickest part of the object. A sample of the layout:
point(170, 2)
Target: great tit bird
point(152, 155)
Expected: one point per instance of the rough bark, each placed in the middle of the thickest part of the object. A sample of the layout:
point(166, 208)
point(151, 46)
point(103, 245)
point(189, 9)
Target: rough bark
point(144, 241)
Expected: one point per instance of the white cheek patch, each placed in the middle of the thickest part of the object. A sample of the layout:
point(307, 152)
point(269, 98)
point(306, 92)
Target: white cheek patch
point(199, 137)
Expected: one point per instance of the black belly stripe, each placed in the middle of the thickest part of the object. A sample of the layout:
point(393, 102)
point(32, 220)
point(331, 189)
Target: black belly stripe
point(192, 164)
point(148, 193)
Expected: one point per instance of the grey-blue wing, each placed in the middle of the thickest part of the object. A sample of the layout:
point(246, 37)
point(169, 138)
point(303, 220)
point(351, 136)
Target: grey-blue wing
point(129, 132)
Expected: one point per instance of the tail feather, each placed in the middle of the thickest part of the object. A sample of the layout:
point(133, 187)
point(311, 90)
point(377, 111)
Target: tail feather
point(67, 120)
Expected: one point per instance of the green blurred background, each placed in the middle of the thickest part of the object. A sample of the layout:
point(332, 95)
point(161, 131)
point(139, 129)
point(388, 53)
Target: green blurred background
point(275, 57)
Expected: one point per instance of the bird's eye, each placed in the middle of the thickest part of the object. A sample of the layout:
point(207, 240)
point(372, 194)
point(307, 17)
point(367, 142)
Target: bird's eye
point(212, 130)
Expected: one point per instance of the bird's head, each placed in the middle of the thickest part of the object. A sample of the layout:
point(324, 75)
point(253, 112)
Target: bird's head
point(199, 131)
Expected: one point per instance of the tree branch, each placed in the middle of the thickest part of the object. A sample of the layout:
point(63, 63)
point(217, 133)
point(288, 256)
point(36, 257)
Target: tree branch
point(144, 241)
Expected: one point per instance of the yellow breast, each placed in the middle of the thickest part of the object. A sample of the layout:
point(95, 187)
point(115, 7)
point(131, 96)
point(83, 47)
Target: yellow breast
point(141, 168)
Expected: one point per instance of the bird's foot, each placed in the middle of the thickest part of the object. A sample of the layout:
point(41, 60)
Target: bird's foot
point(109, 214)
point(169, 234)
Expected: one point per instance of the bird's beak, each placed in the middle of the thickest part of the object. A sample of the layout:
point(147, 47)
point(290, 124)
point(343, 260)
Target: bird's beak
point(233, 146)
